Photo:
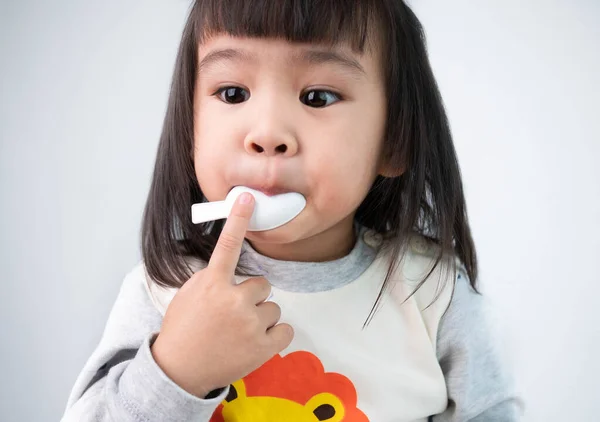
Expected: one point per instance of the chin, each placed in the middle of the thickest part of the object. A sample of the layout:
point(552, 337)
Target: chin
point(288, 233)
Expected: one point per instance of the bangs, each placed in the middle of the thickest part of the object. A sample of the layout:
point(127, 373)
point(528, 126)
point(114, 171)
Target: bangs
point(329, 22)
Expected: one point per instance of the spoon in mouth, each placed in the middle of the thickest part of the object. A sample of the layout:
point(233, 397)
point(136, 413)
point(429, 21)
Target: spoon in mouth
point(269, 213)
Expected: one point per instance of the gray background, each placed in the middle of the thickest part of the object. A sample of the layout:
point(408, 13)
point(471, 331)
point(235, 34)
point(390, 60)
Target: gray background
point(83, 88)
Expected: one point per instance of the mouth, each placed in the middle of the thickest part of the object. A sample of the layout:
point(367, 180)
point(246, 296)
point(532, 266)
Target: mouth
point(269, 191)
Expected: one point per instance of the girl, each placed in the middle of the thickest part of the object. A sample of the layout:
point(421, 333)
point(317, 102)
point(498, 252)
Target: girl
point(374, 314)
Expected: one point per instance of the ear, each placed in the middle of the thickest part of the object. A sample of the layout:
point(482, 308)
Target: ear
point(386, 169)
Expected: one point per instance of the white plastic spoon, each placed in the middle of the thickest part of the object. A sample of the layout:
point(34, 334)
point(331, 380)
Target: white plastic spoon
point(269, 213)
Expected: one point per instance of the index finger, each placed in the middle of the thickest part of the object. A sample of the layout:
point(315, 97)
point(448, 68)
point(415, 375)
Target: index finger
point(225, 257)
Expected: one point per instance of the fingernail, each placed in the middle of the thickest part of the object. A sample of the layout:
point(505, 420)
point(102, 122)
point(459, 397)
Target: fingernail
point(245, 198)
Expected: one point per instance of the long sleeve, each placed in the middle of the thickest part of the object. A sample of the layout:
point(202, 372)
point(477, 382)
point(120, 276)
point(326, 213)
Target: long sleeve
point(121, 381)
point(479, 384)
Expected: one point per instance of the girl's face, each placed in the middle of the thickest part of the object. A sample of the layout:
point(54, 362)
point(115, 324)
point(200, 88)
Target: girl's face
point(280, 117)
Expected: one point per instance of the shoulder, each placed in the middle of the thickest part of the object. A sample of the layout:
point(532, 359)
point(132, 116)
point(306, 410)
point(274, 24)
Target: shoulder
point(466, 324)
point(134, 285)
point(159, 295)
point(423, 279)
point(427, 274)
point(134, 296)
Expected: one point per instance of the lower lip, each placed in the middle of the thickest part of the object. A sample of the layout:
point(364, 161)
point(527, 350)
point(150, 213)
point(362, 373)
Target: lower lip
point(271, 193)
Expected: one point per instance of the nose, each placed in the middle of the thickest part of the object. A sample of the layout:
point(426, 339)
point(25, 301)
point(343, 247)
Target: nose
point(270, 146)
point(271, 138)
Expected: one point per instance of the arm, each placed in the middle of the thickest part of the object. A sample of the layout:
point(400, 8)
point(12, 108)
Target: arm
point(478, 383)
point(121, 381)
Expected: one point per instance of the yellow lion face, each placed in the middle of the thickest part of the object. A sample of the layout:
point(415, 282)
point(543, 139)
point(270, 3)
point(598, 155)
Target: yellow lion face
point(238, 407)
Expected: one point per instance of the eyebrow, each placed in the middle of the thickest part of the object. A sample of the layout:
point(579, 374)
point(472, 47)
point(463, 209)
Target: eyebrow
point(310, 57)
point(319, 57)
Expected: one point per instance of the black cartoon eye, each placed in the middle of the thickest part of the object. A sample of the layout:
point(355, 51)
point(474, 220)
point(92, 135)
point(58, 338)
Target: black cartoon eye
point(232, 394)
point(324, 412)
point(232, 94)
point(318, 98)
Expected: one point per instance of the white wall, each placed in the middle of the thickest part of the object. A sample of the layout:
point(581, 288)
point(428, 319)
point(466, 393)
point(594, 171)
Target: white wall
point(83, 92)
point(83, 88)
point(521, 82)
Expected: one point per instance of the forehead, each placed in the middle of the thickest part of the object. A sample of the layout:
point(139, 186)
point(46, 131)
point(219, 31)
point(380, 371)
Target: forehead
point(223, 49)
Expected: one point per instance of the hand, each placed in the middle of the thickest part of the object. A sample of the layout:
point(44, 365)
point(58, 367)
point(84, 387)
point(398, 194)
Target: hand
point(216, 332)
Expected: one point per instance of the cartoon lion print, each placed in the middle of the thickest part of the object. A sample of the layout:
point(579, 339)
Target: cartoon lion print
point(294, 388)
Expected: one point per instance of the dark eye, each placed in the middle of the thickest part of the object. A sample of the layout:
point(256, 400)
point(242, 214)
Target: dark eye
point(232, 94)
point(324, 412)
point(319, 98)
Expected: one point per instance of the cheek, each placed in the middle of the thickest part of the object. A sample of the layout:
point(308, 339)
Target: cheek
point(341, 181)
point(209, 159)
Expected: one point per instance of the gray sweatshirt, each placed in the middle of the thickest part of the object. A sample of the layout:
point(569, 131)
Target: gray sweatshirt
point(121, 381)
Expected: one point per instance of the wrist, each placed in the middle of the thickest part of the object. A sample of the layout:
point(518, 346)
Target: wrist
point(167, 363)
